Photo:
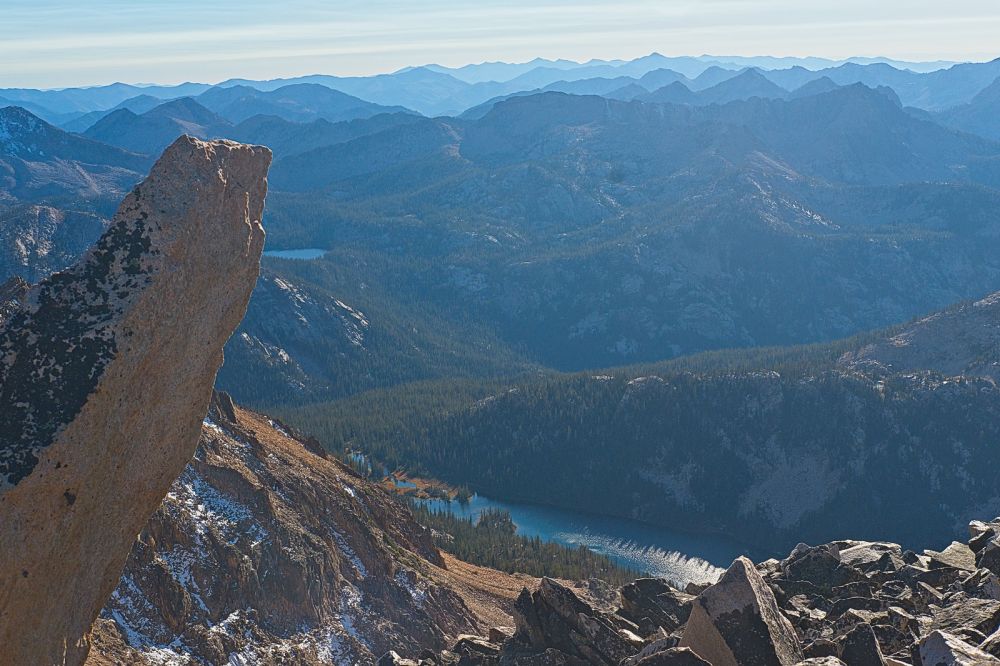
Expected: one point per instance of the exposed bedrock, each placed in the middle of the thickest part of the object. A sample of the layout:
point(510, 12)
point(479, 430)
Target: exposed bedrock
point(106, 370)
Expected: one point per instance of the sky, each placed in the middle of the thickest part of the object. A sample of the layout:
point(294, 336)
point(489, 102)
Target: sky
point(57, 43)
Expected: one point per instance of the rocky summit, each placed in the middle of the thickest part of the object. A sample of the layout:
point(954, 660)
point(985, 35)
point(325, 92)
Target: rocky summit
point(266, 550)
point(859, 603)
point(106, 369)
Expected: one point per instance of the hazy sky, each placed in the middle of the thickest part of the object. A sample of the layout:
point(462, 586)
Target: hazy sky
point(50, 43)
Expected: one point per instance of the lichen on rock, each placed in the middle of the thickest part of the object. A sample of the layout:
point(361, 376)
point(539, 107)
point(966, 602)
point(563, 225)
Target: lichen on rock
point(106, 370)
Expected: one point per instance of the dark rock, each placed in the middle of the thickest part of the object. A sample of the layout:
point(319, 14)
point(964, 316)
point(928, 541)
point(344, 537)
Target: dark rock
point(982, 584)
point(820, 565)
point(784, 588)
point(500, 634)
point(896, 592)
point(989, 556)
point(736, 622)
point(860, 647)
point(655, 600)
point(980, 533)
point(902, 620)
point(892, 640)
point(983, 615)
point(694, 589)
point(821, 647)
point(475, 651)
point(857, 603)
point(661, 644)
point(938, 577)
point(926, 595)
point(869, 555)
point(991, 644)
point(985, 543)
point(222, 407)
point(554, 617)
point(861, 588)
point(12, 293)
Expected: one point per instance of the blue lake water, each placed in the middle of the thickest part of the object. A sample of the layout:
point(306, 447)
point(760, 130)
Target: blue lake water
point(658, 551)
point(307, 253)
point(678, 556)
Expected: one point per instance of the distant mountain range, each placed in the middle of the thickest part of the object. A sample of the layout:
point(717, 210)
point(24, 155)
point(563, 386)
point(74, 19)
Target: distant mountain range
point(434, 90)
point(980, 116)
point(552, 229)
point(608, 221)
point(689, 66)
point(589, 232)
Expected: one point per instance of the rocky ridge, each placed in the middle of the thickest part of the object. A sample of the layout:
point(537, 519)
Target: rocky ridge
point(105, 372)
point(858, 603)
point(265, 550)
point(41, 163)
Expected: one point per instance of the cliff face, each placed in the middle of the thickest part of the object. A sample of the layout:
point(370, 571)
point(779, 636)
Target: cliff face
point(264, 551)
point(105, 372)
point(36, 241)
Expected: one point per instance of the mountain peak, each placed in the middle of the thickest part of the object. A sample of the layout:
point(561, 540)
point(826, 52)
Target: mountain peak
point(17, 122)
point(183, 108)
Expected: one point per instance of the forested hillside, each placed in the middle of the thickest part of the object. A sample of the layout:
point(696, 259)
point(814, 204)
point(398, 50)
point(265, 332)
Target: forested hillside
point(871, 435)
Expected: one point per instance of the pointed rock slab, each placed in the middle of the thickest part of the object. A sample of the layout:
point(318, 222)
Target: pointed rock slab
point(736, 622)
point(957, 555)
point(106, 370)
point(553, 617)
point(939, 648)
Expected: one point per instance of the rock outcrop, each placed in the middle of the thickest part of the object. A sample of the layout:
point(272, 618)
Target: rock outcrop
point(266, 550)
point(737, 622)
point(859, 603)
point(960, 340)
point(554, 617)
point(105, 372)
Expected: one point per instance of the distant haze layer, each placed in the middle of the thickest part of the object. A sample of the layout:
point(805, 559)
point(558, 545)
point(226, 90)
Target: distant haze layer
point(53, 43)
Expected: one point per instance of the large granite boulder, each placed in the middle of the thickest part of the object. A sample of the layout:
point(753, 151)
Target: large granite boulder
point(106, 370)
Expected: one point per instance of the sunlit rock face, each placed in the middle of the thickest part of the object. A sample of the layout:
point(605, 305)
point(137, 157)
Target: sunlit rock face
point(106, 370)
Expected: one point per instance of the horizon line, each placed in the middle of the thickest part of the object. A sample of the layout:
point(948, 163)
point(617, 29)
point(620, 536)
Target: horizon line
point(613, 62)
